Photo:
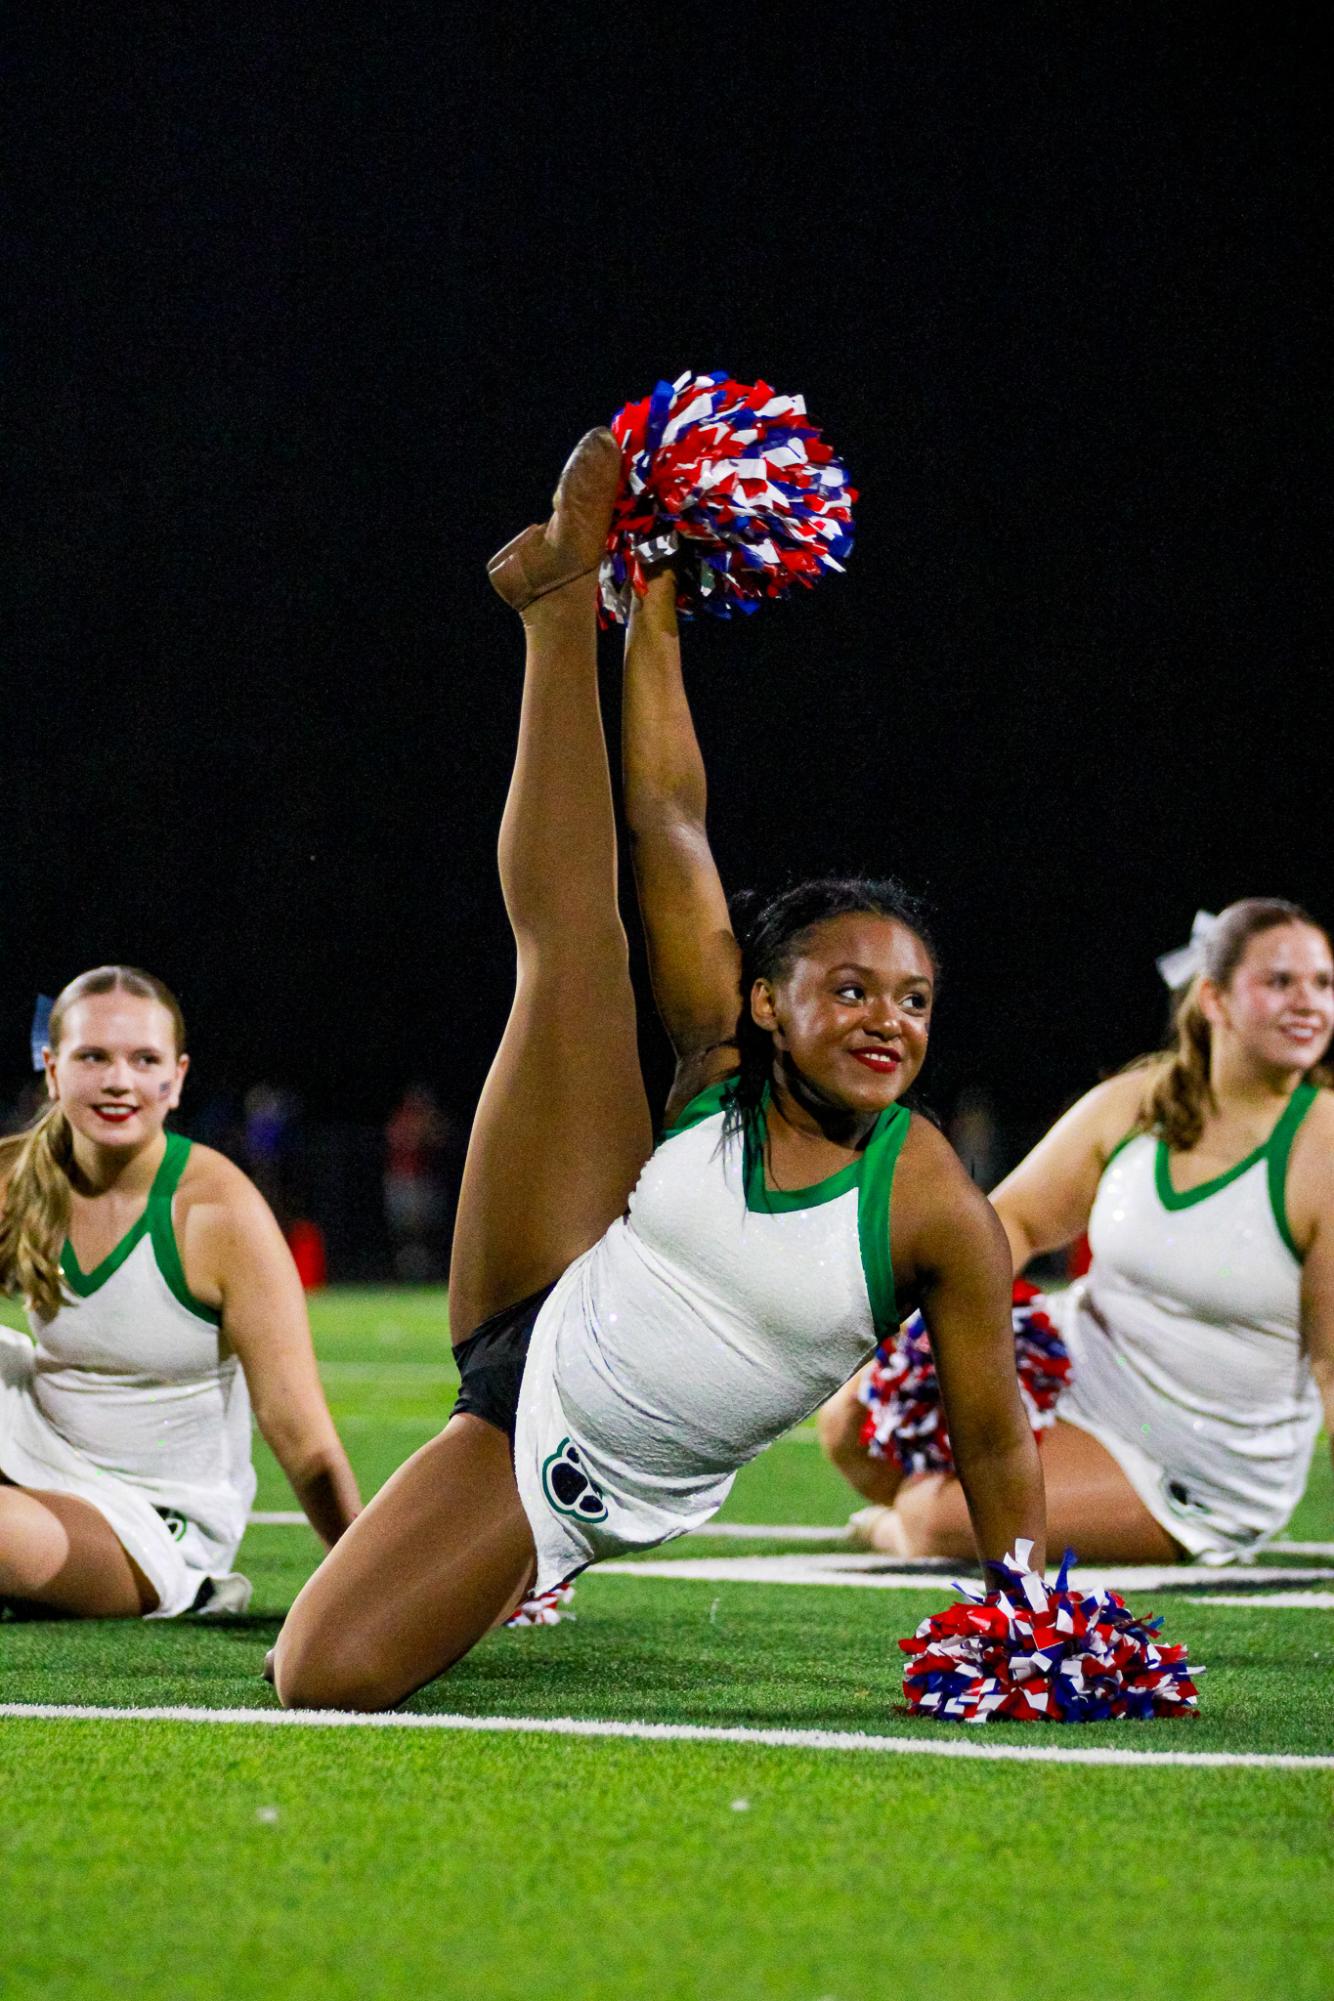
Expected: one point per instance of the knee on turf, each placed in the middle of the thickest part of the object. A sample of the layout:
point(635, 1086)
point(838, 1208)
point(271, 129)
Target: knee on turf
point(325, 1672)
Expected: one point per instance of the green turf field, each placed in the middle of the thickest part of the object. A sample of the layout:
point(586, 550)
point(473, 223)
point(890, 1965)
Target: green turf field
point(214, 1858)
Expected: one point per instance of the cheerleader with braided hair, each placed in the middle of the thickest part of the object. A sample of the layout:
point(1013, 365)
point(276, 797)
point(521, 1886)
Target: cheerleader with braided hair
point(633, 1323)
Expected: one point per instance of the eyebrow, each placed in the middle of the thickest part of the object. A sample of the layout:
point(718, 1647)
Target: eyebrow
point(100, 1049)
point(870, 973)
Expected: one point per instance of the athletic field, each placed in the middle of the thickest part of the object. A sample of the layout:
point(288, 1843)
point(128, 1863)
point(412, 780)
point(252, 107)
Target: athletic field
point(702, 1788)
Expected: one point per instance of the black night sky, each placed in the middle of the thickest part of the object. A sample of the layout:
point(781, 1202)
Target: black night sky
point(303, 320)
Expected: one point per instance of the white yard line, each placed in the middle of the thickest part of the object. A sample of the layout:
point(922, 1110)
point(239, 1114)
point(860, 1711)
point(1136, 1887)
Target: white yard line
point(971, 1746)
point(858, 1571)
point(727, 1531)
point(866, 1571)
point(1281, 1601)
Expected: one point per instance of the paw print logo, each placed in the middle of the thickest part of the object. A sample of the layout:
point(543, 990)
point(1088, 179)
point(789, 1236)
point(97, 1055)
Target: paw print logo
point(569, 1486)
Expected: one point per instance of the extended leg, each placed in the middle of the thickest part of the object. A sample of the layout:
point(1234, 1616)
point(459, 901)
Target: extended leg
point(444, 1551)
point(563, 1128)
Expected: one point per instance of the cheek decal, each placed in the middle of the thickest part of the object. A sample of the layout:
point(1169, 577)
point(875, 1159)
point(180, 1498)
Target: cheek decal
point(164, 1090)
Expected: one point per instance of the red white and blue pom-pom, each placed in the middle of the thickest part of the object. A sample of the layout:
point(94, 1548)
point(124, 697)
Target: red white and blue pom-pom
point(1042, 1653)
point(544, 1608)
point(905, 1418)
point(736, 485)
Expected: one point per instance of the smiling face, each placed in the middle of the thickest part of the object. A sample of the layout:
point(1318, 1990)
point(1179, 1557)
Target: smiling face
point(1278, 1006)
point(116, 1071)
point(851, 1015)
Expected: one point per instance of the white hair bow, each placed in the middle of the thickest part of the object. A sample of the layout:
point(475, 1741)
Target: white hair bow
point(1187, 960)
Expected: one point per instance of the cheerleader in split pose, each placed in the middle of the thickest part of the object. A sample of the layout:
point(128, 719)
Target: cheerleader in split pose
point(617, 1368)
point(1202, 1339)
point(159, 1290)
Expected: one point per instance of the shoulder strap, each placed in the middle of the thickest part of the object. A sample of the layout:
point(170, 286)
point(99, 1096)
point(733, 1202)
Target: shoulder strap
point(873, 1200)
point(170, 1169)
point(1279, 1148)
point(702, 1106)
point(165, 1248)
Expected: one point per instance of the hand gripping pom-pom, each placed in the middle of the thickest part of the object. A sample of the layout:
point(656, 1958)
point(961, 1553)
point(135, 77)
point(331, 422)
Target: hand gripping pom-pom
point(905, 1419)
point(1040, 1653)
point(736, 485)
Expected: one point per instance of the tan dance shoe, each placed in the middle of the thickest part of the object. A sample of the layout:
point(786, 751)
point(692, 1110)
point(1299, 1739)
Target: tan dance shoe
point(570, 544)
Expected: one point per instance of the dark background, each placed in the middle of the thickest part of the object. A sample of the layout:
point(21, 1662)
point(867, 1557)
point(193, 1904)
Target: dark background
point(304, 321)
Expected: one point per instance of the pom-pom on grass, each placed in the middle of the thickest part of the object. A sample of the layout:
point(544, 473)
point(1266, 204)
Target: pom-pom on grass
point(1041, 1653)
point(905, 1420)
point(544, 1608)
point(733, 482)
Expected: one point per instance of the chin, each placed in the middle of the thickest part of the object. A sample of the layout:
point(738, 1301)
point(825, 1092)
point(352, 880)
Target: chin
point(132, 1134)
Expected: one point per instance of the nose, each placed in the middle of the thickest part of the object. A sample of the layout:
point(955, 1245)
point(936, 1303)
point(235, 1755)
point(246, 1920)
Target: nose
point(118, 1076)
point(882, 1016)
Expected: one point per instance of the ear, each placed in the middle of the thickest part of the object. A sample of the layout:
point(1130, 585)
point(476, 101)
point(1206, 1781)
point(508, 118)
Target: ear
point(1212, 1002)
point(762, 1010)
point(178, 1083)
point(49, 1065)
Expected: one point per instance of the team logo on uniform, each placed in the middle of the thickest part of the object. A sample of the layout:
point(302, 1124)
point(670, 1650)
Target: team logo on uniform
point(570, 1487)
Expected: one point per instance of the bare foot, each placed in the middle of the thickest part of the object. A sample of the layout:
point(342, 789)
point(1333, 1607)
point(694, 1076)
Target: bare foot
point(877, 1528)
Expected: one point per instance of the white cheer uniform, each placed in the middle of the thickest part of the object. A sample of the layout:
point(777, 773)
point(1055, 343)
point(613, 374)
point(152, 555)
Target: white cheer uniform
point(709, 1319)
point(130, 1400)
point(1186, 1342)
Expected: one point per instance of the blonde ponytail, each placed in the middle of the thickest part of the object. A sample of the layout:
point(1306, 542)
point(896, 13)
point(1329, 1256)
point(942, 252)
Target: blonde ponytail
point(1178, 1095)
point(1177, 1091)
point(35, 1222)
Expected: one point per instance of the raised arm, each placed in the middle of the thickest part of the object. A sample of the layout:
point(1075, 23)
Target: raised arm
point(693, 957)
point(1046, 1201)
point(230, 1237)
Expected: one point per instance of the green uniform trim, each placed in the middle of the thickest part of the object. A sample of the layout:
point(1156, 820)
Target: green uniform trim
point(873, 1200)
point(1275, 1151)
point(1280, 1146)
point(155, 1223)
point(871, 1174)
point(702, 1106)
point(777, 1201)
point(1136, 1132)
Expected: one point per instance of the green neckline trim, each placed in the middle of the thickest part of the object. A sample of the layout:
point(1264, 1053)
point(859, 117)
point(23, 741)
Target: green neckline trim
point(1275, 1150)
point(871, 1174)
point(155, 1223)
point(779, 1201)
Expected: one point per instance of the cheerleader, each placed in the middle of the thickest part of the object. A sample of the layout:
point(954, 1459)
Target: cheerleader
point(632, 1323)
point(163, 1303)
point(1201, 1341)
